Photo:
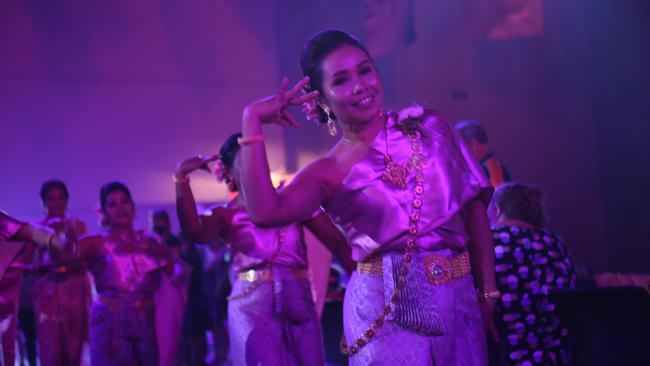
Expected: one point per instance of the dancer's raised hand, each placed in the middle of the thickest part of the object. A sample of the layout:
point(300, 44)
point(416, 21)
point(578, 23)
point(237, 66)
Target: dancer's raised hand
point(187, 166)
point(275, 108)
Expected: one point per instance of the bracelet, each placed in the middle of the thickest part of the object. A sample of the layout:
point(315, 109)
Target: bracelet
point(241, 141)
point(484, 295)
point(180, 180)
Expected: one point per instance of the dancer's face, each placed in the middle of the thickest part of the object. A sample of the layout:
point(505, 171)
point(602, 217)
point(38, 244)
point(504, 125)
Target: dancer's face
point(119, 210)
point(55, 202)
point(351, 85)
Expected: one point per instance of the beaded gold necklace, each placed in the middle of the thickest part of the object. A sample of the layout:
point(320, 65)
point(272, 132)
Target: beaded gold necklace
point(417, 162)
point(394, 174)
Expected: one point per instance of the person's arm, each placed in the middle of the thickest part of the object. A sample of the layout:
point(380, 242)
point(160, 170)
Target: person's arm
point(327, 233)
point(305, 194)
point(481, 254)
point(197, 228)
point(42, 236)
point(89, 247)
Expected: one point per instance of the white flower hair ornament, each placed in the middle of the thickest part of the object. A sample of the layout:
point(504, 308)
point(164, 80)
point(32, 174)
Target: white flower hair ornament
point(410, 118)
point(310, 109)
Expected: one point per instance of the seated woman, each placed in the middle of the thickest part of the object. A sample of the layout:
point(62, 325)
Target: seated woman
point(126, 266)
point(531, 261)
point(271, 314)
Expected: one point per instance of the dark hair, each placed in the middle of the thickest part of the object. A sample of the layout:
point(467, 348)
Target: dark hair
point(472, 130)
point(161, 214)
point(319, 46)
point(229, 150)
point(111, 187)
point(228, 153)
point(520, 201)
point(53, 184)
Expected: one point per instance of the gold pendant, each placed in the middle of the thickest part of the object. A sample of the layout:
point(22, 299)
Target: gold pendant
point(394, 174)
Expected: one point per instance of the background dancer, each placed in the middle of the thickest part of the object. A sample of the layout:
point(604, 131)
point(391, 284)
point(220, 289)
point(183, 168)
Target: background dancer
point(271, 315)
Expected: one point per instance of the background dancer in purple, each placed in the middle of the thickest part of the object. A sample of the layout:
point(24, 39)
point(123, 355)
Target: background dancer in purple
point(127, 266)
point(410, 197)
point(15, 253)
point(63, 291)
point(271, 315)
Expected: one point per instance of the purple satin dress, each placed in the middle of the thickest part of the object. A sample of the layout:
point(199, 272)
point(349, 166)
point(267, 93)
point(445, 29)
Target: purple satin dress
point(276, 323)
point(122, 320)
point(62, 299)
point(375, 218)
point(13, 256)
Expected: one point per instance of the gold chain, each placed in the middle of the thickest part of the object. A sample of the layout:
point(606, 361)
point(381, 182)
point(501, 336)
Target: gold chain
point(258, 281)
point(416, 162)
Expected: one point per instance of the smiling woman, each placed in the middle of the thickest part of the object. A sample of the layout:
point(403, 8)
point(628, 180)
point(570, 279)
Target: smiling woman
point(127, 266)
point(411, 200)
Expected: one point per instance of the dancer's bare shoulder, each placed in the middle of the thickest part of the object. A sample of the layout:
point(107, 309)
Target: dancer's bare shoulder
point(331, 169)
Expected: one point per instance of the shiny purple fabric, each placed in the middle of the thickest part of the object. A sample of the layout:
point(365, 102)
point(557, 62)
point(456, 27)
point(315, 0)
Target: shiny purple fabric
point(125, 274)
point(129, 266)
point(463, 342)
point(375, 215)
point(276, 323)
point(62, 300)
point(13, 255)
point(8, 226)
point(253, 246)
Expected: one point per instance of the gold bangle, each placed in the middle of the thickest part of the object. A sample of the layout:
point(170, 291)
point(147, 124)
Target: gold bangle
point(180, 180)
point(247, 140)
point(485, 295)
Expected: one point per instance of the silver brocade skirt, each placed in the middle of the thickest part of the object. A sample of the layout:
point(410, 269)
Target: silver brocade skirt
point(275, 324)
point(458, 340)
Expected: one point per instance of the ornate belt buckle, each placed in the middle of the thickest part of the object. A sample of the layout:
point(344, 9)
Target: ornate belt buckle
point(438, 269)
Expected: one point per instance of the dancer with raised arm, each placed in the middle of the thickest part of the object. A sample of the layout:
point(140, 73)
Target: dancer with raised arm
point(272, 319)
point(411, 200)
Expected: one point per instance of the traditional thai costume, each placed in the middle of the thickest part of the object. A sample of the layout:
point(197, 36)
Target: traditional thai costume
point(402, 206)
point(127, 273)
point(63, 296)
point(272, 319)
point(13, 257)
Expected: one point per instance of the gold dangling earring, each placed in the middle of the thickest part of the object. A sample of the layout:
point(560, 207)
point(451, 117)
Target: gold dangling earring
point(331, 125)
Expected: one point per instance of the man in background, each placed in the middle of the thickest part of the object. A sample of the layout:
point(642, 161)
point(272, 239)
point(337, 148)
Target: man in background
point(476, 141)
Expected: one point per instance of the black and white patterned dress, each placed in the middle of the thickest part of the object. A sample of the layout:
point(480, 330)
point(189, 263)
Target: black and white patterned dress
point(531, 262)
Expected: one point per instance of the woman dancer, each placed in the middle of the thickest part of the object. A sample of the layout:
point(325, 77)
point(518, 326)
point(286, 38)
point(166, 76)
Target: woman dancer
point(410, 197)
point(531, 261)
point(126, 265)
point(15, 253)
point(271, 315)
point(63, 292)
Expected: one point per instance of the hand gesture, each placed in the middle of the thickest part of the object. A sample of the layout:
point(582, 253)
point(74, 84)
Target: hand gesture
point(275, 108)
point(197, 162)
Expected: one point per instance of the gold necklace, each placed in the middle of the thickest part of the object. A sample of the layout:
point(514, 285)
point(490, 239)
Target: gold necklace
point(417, 162)
point(394, 174)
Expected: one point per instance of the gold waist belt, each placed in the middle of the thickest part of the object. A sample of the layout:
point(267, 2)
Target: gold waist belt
point(439, 268)
point(254, 275)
